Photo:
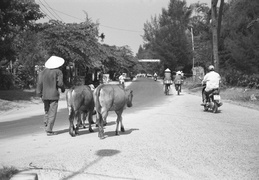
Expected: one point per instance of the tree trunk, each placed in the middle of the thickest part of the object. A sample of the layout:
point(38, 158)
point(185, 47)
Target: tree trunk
point(220, 17)
point(214, 26)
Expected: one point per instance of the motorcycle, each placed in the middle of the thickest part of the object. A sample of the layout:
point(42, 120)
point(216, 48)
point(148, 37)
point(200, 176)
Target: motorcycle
point(167, 85)
point(155, 78)
point(213, 101)
point(178, 87)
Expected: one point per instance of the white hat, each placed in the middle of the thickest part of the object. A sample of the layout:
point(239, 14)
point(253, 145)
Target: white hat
point(178, 72)
point(211, 67)
point(54, 62)
point(167, 70)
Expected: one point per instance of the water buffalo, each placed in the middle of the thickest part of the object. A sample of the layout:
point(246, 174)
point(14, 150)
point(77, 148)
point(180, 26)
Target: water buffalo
point(79, 102)
point(111, 97)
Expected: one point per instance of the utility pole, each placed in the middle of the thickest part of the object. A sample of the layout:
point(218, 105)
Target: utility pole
point(194, 74)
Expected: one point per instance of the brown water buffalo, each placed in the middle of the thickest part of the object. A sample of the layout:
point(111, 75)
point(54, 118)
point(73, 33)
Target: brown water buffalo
point(111, 97)
point(79, 102)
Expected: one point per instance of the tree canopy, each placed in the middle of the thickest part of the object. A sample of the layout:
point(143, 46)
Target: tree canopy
point(168, 37)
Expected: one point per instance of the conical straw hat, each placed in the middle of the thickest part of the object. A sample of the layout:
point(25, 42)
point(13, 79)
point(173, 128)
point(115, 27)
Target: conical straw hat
point(167, 70)
point(54, 62)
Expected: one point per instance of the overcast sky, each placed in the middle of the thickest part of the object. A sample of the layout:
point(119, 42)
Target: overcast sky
point(121, 21)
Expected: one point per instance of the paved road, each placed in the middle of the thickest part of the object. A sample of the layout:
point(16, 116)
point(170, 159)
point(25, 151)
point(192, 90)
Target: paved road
point(167, 137)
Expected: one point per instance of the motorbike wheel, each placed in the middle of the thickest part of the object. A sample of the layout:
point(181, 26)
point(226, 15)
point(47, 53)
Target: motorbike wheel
point(215, 108)
point(206, 108)
point(178, 91)
point(167, 90)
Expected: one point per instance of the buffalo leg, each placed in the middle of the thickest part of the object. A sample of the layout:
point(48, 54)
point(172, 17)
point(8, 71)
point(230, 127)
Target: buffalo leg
point(104, 117)
point(82, 116)
point(100, 125)
point(90, 120)
point(71, 124)
point(119, 122)
point(77, 121)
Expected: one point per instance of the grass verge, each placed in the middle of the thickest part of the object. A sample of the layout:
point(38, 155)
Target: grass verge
point(7, 172)
point(235, 95)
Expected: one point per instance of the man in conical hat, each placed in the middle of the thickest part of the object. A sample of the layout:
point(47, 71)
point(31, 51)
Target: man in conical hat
point(49, 80)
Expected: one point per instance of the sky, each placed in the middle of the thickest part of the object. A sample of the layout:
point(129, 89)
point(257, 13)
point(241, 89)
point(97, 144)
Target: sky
point(121, 21)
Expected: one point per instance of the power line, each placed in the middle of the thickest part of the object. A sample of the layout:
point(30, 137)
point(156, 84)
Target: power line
point(121, 29)
point(110, 27)
point(48, 10)
point(45, 13)
point(67, 14)
point(52, 10)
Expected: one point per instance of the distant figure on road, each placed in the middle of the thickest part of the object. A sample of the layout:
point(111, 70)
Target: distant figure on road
point(167, 81)
point(49, 80)
point(178, 80)
point(122, 79)
point(155, 76)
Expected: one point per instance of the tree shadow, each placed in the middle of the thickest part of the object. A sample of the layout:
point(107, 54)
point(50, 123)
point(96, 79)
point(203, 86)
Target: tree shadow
point(18, 95)
point(62, 131)
point(102, 153)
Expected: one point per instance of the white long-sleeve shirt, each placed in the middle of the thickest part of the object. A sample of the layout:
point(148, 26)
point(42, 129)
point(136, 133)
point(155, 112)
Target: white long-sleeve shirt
point(212, 80)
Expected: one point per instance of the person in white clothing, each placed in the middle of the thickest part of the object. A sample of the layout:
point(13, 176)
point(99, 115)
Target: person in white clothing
point(122, 79)
point(212, 80)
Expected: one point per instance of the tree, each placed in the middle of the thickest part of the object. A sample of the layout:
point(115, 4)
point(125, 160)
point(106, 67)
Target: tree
point(241, 40)
point(215, 26)
point(16, 16)
point(165, 36)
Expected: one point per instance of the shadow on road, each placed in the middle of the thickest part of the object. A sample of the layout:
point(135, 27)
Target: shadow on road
point(112, 133)
point(62, 131)
point(102, 153)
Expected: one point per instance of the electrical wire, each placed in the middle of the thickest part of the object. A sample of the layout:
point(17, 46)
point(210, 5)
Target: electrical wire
point(110, 27)
point(48, 10)
point(45, 13)
point(53, 11)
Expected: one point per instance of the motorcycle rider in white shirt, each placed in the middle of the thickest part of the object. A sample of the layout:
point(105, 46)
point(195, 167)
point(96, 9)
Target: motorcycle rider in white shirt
point(212, 80)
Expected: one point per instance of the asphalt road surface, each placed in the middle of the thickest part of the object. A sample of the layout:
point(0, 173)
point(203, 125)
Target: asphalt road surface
point(167, 137)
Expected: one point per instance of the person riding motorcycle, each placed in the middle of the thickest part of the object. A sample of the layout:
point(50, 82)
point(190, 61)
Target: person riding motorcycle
point(178, 80)
point(155, 76)
point(212, 80)
point(167, 80)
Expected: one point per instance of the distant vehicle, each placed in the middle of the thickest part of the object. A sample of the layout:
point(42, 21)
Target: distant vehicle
point(140, 75)
point(149, 75)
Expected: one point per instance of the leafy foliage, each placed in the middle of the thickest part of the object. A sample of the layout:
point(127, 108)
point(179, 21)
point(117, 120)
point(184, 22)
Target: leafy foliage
point(241, 43)
point(165, 36)
point(15, 17)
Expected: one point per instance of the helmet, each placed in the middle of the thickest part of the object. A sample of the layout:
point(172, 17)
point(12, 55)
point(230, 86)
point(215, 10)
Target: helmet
point(211, 67)
point(178, 73)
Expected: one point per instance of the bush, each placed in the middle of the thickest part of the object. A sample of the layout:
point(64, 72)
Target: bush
point(236, 78)
point(6, 80)
point(7, 172)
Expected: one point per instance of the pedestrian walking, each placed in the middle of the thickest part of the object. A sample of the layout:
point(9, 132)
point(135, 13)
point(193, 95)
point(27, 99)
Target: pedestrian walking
point(122, 79)
point(49, 81)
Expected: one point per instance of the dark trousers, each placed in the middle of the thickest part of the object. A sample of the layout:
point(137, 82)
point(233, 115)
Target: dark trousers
point(205, 94)
point(50, 108)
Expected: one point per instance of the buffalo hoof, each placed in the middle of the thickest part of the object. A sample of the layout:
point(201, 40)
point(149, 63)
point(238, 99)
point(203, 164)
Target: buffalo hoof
point(101, 134)
point(91, 130)
point(122, 129)
point(117, 133)
point(103, 137)
point(72, 133)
